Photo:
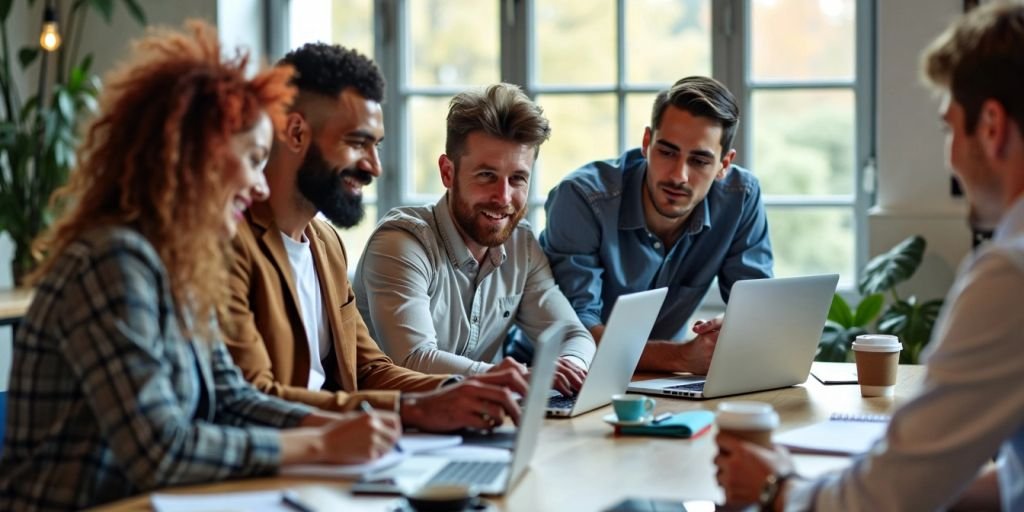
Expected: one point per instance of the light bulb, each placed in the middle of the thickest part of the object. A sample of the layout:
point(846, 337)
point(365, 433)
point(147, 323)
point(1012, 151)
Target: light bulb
point(49, 39)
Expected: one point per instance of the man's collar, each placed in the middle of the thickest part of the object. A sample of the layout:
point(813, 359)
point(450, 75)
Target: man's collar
point(262, 215)
point(1012, 222)
point(631, 214)
point(454, 245)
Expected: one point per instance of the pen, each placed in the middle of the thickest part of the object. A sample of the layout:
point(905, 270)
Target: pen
point(367, 408)
point(292, 500)
point(661, 417)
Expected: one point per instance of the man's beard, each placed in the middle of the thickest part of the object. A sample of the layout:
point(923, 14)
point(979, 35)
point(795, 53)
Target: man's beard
point(465, 216)
point(325, 188)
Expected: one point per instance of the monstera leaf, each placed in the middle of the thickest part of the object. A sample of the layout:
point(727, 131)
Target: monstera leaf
point(835, 342)
point(844, 324)
point(893, 267)
point(912, 322)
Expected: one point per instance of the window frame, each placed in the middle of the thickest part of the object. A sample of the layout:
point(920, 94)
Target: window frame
point(730, 56)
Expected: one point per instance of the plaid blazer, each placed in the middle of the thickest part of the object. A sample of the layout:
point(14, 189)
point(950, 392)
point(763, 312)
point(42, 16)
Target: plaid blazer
point(108, 398)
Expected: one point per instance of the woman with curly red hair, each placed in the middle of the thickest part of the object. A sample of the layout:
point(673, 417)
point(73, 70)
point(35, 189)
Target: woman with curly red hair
point(120, 383)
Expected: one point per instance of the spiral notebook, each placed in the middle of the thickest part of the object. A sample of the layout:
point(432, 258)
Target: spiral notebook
point(841, 434)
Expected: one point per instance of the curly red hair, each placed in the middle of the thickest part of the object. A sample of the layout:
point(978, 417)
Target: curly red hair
point(158, 154)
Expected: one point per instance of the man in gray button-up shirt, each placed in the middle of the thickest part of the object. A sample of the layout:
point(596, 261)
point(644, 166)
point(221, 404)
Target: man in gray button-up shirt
point(439, 286)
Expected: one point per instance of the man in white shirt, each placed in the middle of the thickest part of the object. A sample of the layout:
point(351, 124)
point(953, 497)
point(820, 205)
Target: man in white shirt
point(439, 286)
point(935, 451)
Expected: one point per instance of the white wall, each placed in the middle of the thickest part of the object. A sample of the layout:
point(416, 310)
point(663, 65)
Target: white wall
point(240, 24)
point(913, 180)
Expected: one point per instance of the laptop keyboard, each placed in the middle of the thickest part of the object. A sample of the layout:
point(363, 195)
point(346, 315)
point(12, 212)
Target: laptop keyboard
point(468, 472)
point(561, 402)
point(695, 386)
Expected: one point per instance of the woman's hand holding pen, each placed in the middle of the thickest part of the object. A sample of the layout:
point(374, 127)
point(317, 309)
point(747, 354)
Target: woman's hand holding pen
point(347, 438)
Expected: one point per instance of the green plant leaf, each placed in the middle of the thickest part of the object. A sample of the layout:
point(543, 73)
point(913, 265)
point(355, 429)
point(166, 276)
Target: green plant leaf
point(66, 105)
point(891, 268)
point(27, 55)
point(839, 312)
point(136, 11)
point(28, 108)
point(913, 323)
point(8, 135)
point(835, 342)
point(830, 347)
point(86, 64)
point(105, 8)
point(868, 309)
point(5, 9)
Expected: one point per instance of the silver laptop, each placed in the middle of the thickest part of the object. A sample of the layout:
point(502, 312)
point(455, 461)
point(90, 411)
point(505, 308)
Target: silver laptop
point(490, 475)
point(625, 336)
point(768, 339)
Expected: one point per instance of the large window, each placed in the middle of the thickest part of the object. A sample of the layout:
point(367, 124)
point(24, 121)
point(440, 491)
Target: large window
point(801, 70)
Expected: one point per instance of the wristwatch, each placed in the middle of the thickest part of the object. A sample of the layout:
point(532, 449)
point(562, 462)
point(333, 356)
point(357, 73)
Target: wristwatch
point(770, 490)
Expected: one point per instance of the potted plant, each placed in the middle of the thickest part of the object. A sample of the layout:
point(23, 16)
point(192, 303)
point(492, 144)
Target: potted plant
point(910, 319)
point(38, 135)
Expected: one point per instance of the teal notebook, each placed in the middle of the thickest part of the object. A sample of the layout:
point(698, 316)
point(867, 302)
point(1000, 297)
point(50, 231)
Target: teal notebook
point(683, 425)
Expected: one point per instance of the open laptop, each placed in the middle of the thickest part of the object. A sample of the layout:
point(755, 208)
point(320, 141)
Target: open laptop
point(623, 342)
point(490, 474)
point(768, 339)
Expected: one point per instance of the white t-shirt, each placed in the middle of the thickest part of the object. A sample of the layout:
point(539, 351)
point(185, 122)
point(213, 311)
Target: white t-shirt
point(311, 307)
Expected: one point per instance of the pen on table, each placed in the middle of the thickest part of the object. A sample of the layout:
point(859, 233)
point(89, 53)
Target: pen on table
point(661, 417)
point(292, 500)
point(367, 408)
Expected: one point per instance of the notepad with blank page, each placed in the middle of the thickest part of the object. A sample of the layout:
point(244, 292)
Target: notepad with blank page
point(834, 373)
point(842, 434)
point(268, 501)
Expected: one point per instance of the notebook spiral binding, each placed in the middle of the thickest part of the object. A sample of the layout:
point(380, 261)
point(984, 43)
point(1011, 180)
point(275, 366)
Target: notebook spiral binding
point(852, 416)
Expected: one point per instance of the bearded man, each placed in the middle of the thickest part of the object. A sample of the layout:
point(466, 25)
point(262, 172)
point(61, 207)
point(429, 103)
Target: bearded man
point(292, 325)
point(440, 286)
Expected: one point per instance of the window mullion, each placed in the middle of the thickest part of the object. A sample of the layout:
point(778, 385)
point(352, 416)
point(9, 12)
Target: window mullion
point(389, 43)
point(620, 73)
point(864, 116)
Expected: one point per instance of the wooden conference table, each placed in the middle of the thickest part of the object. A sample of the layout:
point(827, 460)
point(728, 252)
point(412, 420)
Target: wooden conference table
point(580, 465)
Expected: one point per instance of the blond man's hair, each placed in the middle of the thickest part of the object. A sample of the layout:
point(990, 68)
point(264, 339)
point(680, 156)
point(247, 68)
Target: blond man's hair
point(980, 57)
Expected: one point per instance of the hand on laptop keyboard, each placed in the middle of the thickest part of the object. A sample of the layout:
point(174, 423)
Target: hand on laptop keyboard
point(568, 377)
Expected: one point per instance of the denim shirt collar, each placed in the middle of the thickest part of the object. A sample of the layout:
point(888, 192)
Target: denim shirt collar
point(631, 215)
point(456, 248)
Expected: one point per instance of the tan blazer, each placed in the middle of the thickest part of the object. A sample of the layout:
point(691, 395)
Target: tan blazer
point(263, 327)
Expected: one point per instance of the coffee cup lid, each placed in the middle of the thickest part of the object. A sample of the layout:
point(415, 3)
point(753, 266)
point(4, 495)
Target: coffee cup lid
point(742, 415)
point(877, 343)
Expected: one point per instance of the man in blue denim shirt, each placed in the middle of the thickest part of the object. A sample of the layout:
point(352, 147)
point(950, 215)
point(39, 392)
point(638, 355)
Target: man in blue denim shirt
point(674, 212)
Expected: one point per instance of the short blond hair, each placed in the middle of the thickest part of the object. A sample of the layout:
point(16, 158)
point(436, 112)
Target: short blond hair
point(981, 57)
point(502, 111)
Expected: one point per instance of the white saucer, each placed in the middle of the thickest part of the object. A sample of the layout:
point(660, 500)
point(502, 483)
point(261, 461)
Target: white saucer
point(612, 419)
